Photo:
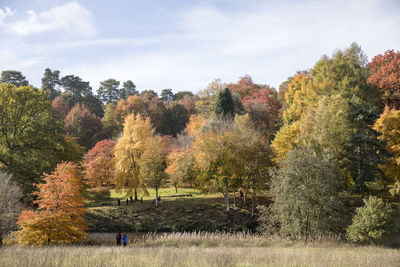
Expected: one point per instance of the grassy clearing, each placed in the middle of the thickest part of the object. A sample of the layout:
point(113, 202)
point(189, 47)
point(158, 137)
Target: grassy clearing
point(199, 256)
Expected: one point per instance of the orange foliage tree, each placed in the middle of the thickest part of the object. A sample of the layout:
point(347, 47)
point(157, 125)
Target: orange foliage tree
point(60, 216)
point(385, 74)
point(98, 164)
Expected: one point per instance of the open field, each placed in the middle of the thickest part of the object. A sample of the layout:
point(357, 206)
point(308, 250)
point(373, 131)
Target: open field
point(200, 256)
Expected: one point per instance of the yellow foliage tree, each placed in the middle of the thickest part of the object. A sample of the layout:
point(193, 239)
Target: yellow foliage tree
point(388, 125)
point(128, 152)
point(286, 139)
point(60, 216)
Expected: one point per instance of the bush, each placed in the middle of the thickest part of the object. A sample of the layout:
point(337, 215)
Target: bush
point(307, 199)
point(372, 223)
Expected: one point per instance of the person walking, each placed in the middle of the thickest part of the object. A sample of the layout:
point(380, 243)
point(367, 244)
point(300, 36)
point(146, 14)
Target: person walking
point(118, 237)
point(125, 240)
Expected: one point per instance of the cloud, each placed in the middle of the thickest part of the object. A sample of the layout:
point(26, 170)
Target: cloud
point(7, 12)
point(71, 19)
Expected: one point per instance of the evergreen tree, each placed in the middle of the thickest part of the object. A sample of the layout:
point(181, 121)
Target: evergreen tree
point(128, 89)
point(50, 80)
point(13, 77)
point(108, 91)
point(224, 105)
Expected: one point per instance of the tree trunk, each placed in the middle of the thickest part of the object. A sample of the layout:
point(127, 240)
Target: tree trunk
point(156, 195)
point(136, 195)
point(253, 202)
point(234, 198)
point(228, 207)
point(245, 196)
point(176, 189)
point(1, 240)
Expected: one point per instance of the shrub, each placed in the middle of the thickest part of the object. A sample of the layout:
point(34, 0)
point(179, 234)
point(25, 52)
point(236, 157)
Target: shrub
point(307, 199)
point(372, 223)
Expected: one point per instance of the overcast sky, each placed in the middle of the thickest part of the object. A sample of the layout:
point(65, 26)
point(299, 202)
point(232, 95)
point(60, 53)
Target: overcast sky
point(184, 44)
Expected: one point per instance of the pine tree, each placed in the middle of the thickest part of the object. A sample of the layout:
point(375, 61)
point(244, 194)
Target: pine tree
point(224, 105)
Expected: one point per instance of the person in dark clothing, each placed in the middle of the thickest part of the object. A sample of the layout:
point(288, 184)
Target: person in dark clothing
point(118, 237)
point(127, 202)
point(125, 240)
point(119, 202)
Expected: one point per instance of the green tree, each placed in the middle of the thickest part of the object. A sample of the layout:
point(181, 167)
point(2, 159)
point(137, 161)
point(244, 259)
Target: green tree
point(153, 164)
point(306, 190)
point(50, 81)
point(167, 95)
point(13, 77)
point(128, 89)
point(372, 223)
point(181, 94)
point(109, 91)
point(30, 135)
point(224, 104)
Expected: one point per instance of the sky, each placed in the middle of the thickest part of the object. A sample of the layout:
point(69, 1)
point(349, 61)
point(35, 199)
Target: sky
point(185, 44)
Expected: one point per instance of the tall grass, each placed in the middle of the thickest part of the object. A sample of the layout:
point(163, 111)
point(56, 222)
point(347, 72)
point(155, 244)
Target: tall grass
point(198, 256)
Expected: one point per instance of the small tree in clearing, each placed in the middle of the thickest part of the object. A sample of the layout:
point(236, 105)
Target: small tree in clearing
point(153, 164)
point(372, 223)
point(60, 216)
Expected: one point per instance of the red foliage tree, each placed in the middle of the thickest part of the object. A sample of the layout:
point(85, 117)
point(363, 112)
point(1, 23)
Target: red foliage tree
point(244, 87)
point(60, 107)
point(385, 74)
point(98, 163)
point(82, 124)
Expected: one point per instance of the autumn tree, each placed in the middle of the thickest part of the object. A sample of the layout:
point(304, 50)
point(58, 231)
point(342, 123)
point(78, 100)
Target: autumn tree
point(59, 218)
point(10, 206)
point(213, 151)
point(153, 164)
point(109, 90)
point(60, 107)
point(82, 124)
point(70, 151)
point(30, 135)
point(180, 168)
point(98, 164)
point(50, 82)
point(244, 87)
point(128, 152)
point(388, 124)
point(385, 74)
point(167, 95)
point(13, 77)
point(133, 105)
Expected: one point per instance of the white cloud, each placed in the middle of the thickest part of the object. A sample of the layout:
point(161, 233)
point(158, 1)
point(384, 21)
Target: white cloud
point(70, 18)
point(7, 12)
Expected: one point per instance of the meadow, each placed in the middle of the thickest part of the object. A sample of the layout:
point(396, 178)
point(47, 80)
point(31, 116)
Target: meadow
point(202, 249)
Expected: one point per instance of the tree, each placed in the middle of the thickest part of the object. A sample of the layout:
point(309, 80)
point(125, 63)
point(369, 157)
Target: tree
point(13, 77)
point(253, 158)
point(78, 91)
point(128, 152)
point(98, 164)
point(173, 121)
point(60, 107)
point(167, 95)
point(286, 138)
point(10, 206)
point(29, 135)
point(385, 74)
point(180, 168)
point(181, 94)
point(60, 216)
point(109, 91)
point(50, 81)
point(244, 87)
point(71, 151)
point(128, 89)
point(388, 125)
point(82, 124)
point(306, 190)
point(134, 105)
point(372, 223)
point(224, 104)
point(213, 151)
point(153, 164)
point(196, 121)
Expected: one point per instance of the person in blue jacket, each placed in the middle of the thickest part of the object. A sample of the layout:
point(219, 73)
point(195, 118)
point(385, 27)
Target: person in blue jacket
point(124, 239)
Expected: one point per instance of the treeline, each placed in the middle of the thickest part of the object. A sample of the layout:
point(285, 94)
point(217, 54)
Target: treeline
point(329, 131)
